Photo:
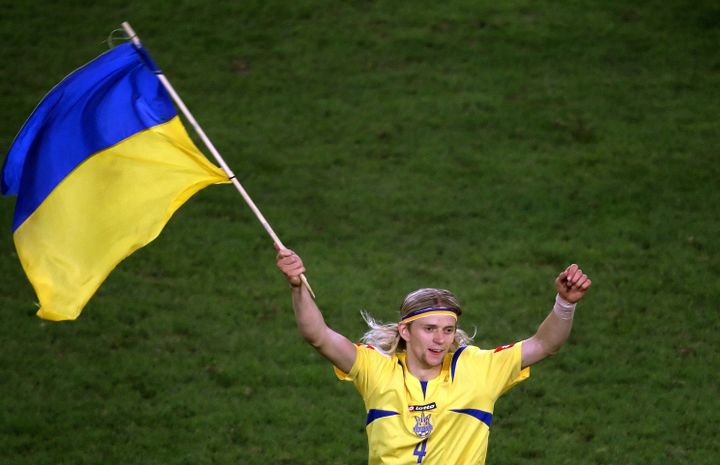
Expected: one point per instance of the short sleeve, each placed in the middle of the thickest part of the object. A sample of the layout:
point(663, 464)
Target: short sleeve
point(507, 363)
point(342, 376)
point(368, 370)
point(499, 369)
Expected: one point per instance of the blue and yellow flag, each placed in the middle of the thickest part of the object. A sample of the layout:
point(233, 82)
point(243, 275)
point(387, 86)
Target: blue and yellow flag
point(98, 169)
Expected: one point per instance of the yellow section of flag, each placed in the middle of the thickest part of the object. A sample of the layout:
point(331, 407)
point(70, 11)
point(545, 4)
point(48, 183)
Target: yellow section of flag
point(115, 202)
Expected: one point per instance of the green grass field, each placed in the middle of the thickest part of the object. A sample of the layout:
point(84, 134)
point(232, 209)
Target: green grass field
point(476, 146)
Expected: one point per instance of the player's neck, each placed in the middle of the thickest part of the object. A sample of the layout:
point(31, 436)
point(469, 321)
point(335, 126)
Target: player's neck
point(422, 371)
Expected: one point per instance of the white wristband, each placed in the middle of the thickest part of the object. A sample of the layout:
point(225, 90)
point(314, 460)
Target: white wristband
point(563, 309)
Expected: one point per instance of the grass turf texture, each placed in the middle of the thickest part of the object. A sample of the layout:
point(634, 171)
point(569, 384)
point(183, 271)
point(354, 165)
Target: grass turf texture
point(477, 147)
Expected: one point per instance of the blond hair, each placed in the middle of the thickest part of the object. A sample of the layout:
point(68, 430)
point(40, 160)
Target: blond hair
point(386, 337)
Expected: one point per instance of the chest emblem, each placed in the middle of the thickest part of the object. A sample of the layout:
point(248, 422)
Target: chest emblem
point(423, 427)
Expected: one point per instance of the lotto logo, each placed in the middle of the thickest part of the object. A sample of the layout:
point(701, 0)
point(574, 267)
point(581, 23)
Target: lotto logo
point(418, 408)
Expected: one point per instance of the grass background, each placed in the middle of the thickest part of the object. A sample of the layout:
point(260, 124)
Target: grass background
point(477, 146)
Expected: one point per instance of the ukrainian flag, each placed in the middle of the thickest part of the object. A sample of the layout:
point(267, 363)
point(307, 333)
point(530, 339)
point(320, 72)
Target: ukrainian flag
point(98, 169)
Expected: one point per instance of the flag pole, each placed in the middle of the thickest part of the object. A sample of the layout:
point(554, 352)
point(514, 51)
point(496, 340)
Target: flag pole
point(208, 143)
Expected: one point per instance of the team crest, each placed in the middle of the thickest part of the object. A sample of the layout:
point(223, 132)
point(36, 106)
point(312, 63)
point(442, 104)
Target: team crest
point(423, 427)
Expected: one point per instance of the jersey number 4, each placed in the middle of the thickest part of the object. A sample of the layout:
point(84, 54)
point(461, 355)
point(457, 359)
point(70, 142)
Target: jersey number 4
point(420, 450)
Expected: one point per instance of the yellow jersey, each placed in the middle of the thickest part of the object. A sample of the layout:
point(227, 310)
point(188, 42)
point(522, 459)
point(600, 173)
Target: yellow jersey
point(443, 421)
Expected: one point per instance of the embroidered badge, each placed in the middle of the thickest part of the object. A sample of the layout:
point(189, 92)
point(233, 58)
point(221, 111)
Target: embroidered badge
point(423, 427)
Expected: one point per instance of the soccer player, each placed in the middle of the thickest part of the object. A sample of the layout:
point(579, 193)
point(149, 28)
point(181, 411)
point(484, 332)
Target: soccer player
point(429, 395)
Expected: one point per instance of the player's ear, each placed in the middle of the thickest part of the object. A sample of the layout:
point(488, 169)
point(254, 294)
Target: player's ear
point(404, 330)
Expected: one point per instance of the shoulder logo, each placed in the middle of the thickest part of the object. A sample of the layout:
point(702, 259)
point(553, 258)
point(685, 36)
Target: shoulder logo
point(367, 346)
point(501, 348)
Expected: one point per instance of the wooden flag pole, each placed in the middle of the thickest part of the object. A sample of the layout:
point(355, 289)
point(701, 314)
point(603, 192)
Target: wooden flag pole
point(208, 143)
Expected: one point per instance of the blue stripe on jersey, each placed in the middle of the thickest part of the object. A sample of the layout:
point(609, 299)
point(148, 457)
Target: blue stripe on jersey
point(423, 384)
point(454, 361)
point(374, 414)
point(485, 417)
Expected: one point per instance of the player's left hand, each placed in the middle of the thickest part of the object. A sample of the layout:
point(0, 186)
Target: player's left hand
point(572, 284)
point(290, 264)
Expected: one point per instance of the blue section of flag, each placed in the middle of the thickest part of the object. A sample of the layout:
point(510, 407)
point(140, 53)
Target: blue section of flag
point(485, 417)
point(374, 414)
point(106, 101)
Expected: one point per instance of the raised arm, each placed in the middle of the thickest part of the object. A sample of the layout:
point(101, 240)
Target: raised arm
point(331, 344)
point(571, 285)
